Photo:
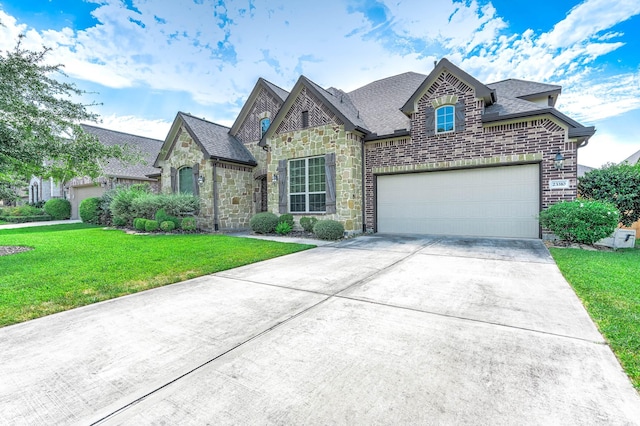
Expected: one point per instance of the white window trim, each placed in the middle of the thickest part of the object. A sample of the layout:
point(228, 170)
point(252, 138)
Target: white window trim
point(306, 186)
point(453, 123)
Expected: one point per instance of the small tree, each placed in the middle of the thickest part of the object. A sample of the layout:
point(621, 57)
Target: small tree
point(618, 184)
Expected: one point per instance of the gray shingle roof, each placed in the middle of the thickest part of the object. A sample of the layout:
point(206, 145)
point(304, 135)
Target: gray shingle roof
point(282, 94)
point(508, 105)
point(148, 150)
point(341, 102)
point(583, 169)
point(633, 159)
point(379, 102)
point(216, 140)
point(515, 88)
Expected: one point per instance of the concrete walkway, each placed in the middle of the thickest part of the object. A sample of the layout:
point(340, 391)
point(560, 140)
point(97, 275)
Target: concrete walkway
point(376, 329)
point(46, 223)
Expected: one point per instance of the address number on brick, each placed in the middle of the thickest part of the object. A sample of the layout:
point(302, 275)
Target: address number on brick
point(559, 184)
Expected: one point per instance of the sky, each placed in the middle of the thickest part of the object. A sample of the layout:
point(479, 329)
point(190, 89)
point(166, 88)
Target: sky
point(145, 60)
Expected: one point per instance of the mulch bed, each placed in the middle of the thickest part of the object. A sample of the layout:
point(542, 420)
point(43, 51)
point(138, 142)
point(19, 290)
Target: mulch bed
point(7, 250)
point(566, 244)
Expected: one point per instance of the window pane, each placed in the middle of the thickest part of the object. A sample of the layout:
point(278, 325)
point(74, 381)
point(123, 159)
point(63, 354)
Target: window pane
point(317, 202)
point(297, 182)
point(316, 174)
point(185, 180)
point(297, 203)
point(264, 125)
point(444, 119)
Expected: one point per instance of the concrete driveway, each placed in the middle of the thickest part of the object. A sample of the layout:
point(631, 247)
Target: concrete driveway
point(377, 329)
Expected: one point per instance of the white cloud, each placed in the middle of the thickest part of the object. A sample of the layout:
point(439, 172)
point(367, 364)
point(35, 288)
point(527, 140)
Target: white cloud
point(606, 148)
point(156, 129)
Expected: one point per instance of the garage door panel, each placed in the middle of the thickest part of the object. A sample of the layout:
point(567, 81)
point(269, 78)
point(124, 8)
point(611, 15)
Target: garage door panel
point(499, 201)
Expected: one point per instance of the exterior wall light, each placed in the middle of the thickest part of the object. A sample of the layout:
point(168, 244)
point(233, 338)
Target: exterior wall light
point(201, 180)
point(558, 161)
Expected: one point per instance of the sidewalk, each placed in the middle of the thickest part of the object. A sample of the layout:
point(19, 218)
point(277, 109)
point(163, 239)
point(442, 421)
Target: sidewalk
point(47, 223)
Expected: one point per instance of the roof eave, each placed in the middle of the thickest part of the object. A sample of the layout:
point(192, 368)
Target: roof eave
point(229, 160)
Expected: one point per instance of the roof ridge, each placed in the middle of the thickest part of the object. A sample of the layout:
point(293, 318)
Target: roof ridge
point(387, 78)
point(121, 132)
point(204, 119)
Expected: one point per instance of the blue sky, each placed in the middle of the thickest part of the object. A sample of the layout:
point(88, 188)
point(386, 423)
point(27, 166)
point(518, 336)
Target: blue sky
point(147, 60)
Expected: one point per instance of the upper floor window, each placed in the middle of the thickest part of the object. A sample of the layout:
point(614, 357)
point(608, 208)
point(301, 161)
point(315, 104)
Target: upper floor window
point(264, 126)
point(307, 187)
point(445, 119)
point(305, 119)
point(185, 180)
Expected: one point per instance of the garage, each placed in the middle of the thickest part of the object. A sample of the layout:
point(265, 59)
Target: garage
point(80, 193)
point(488, 202)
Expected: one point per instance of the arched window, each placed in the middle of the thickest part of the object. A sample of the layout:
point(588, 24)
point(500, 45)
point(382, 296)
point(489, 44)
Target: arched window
point(445, 119)
point(185, 180)
point(264, 125)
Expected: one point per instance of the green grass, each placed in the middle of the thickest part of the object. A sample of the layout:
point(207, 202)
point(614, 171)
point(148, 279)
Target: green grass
point(76, 265)
point(608, 283)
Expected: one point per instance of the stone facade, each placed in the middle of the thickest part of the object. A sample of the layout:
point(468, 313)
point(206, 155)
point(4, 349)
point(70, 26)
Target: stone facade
point(532, 140)
point(235, 201)
point(317, 141)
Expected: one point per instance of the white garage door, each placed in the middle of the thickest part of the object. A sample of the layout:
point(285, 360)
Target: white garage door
point(492, 202)
point(80, 193)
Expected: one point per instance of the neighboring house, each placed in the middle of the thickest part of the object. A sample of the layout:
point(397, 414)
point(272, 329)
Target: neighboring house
point(43, 189)
point(583, 169)
point(633, 159)
point(115, 172)
point(428, 154)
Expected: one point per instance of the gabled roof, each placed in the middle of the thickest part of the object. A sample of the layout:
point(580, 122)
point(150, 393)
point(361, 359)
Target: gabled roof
point(275, 91)
point(633, 159)
point(336, 100)
point(147, 148)
point(583, 169)
point(379, 102)
point(213, 139)
point(524, 89)
point(482, 91)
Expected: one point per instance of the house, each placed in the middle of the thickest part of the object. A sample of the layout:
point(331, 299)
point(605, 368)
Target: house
point(43, 189)
point(632, 159)
point(116, 172)
point(583, 169)
point(441, 153)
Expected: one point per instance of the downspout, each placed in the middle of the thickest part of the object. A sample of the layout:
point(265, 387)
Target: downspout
point(363, 195)
point(215, 195)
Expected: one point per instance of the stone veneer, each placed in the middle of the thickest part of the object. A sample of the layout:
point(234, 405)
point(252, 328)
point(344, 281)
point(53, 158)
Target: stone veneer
point(531, 140)
point(317, 141)
point(235, 184)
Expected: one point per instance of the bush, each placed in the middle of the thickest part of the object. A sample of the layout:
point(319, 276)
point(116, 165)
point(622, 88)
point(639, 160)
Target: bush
point(120, 205)
point(119, 221)
point(89, 210)
point(140, 224)
point(188, 224)
point(151, 225)
point(283, 228)
point(288, 219)
point(25, 210)
point(162, 216)
point(581, 221)
point(308, 223)
point(180, 205)
point(24, 219)
point(328, 229)
point(264, 223)
point(618, 184)
point(58, 208)
point(104, 212)
point(167, 226)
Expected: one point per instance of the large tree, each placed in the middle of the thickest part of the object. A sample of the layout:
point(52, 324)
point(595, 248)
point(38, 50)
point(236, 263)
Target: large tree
point(39, 122)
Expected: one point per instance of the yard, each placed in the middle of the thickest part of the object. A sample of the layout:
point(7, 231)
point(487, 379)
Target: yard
point(608, 283)
point(76, 265)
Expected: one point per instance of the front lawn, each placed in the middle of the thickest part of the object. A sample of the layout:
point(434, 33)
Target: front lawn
point(75, 265)
point(608, 283)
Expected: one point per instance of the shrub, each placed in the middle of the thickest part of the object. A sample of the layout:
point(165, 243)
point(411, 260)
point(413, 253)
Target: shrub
point(25, 210)
point(58, 208)
point(283, 228)
point(24, 219)
point(618, 184)
point(140, 224)
point(188, 224)
point(119, 221)
point(288, 219)
point(308, 223)
point(104, 212)
point(122, 199)
point(151, 225)
point(263, 223)
point(89, 210)
point(162, 216)
point(180, 205)
point(581, 221)
point(167, 226)
point(328, 229)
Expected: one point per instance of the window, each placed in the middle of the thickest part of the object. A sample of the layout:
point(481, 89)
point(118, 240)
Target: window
point(445, 119)
point(305, 119)
point(307, 192)
point(264, 125)
point(185, 180)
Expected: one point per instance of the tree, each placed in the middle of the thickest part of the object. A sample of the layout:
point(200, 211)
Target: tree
point(618, 184)
point(40, 133)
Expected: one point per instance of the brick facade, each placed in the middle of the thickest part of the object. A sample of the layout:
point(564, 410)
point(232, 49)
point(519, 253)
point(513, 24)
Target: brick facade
point(533, 140)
